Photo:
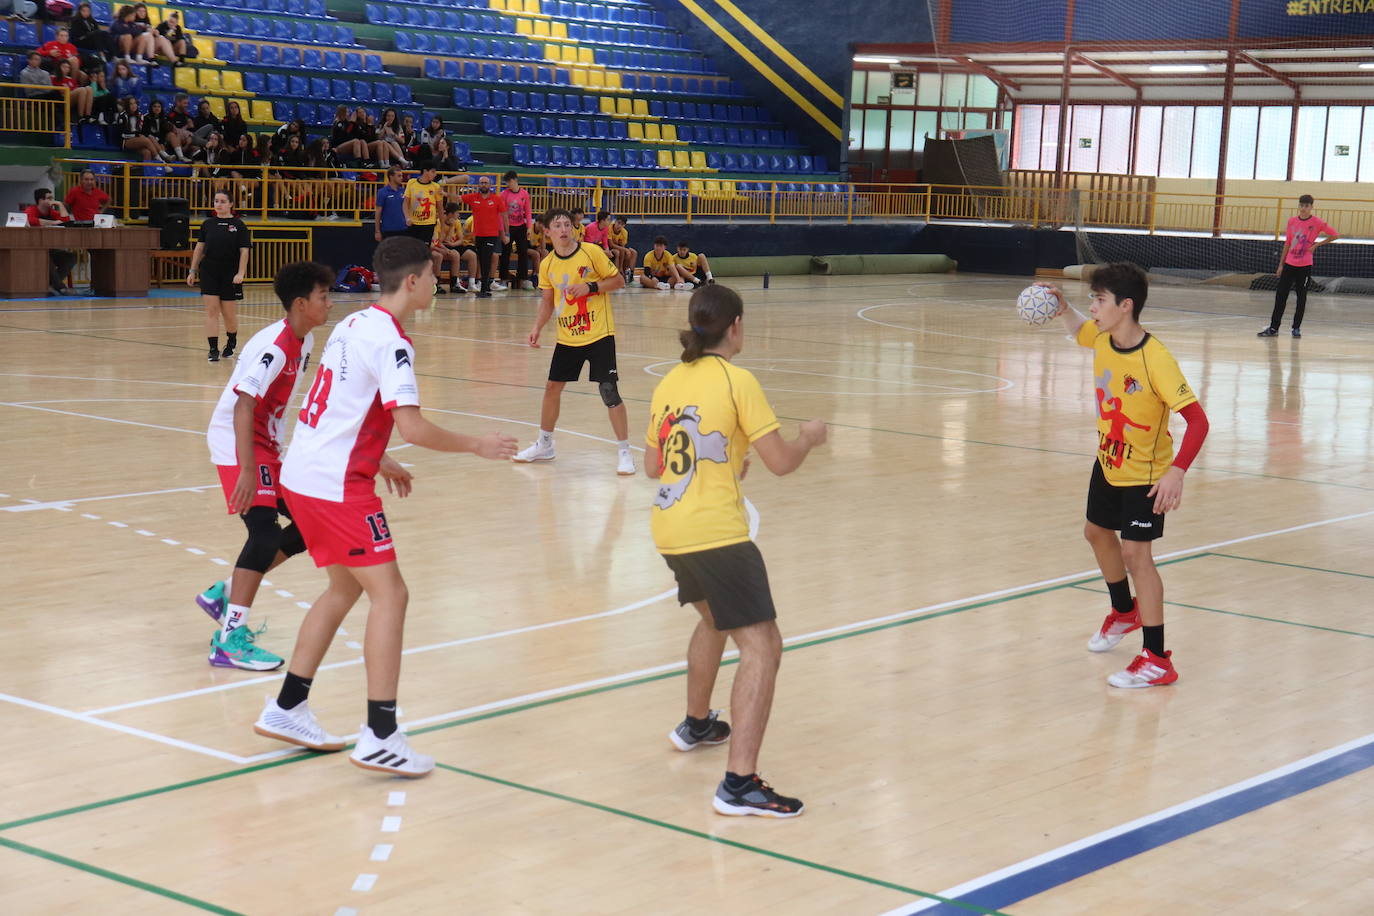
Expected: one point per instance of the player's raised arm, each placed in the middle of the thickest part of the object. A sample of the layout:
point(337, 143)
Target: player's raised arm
point(1073, 318)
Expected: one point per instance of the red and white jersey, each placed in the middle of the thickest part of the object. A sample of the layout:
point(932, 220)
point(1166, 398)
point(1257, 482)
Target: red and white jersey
point(269, 367)
point(366, 369)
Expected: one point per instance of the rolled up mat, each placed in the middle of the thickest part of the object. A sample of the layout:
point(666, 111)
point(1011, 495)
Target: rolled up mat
point(883, 264)
point(756, 267)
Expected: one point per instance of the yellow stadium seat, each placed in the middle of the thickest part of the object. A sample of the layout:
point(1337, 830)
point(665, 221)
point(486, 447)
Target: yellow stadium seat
point(524, 27)
point(681, 162)
point(231, 81)
point(498, 4)
point(553, 52)
point(539, 27)
point(622, 107)
point(612, 79)
point(665, 159)
point(532, 6)
point(217, 106)
point(155, 14)
point(636, 130)
point(205, 52)
point(651, 133)
point(210, 82)
point(711, 189)
point(697, 159)
point(641, 108)
point(586, 57)
point(569, 54)
point(186, 79)
point(577, 77)
point(261, 110)
point(694, 187)
point(558, 29)
point(607, 105)
point(670, 134)
point(596, 79)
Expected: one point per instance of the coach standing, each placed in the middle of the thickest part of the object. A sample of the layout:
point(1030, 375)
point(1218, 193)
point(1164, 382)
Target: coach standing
point(489, 227)
point(391, 209)
point(219, 262)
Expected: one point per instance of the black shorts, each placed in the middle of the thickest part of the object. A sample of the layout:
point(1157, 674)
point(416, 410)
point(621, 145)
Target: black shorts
point(424, 233)
point(219, 281)
point(732, 580)
point(567, 361)
point(393, 233)
point(1124, 509)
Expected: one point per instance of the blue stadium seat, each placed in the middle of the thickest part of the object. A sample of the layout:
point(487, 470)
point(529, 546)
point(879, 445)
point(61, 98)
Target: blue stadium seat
point(440, 44)
point(818, 164)
point(320, 88)
point(214, 22)
point(381, 93)
point(315, 9)
point(647, 159)
point(162, 79)
point(306, 111)
point(561, 77)
point(746, 136)
point(693, 85)
point(481, 99)
point(471, 72)
point(774, 163)
point(601, 129)
point(661, 84)
point(490, 73)
point(804, 163)
point(311, 59)
point(689, 110)
point(479, 47)
point(500, 98)
point(619, 131)
point(372, 63)
point(613, 158)
point(432, 70)
point(713, 161)
point(296, 8)
point(400, 94)
point(519, 101)
point(275, 6)
point(300, 87)
point(591, 104)
point(101, 11)
point(718, 112)
point(510, 125)
point(276, 85)
point(577, 157)
point(656, 108)
point(547, 128)
point(224, 50)
point(539, 155)
point(419, 41)
point(255, 82)
point(558, 156)
point(491, 125)
point(343, 35)
point(461, 98)
point(507, 73)
point(777, 138)
point(290, 57)
point(634, 60)
point(520, 153)
point(274, 30)
point(362, 90)
point(685, 134)
point(283, 111)
point(194, 20)
point(404, 42)
point(730, 162)
point(732, 136)
point(718, 136)
point(582, 129)
point(565, 127)
point(528, 127)
point(536, 101)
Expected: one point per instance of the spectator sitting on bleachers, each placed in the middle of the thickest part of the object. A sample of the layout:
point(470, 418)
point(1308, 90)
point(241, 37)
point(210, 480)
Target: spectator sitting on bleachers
point(129, 127)
point(58, 50)
point(35, 75)
point(88, 35)
point(170, 31)
point(233, 126)
point(389, 140)
point(132, 41)
point(205, 123)
point(410, 138)
point(160, 43)
point(46, 211)
point(241, 160)
point(79, 98)
point(126, 83)
point(432, 132)
point(102, 99)
point(179, 136)
point(439, 155)
point(365, 130)
point(345, 139)
point(86, 199)
point(292, 128)
point(318, 155)
point(157, 126)
point(292, 155)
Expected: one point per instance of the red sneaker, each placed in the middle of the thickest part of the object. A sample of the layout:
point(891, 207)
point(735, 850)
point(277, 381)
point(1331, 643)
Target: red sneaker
point(1146, 670)
point(1113, 628)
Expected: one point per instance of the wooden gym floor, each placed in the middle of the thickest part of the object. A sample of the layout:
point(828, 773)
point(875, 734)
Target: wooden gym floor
point(937, 708)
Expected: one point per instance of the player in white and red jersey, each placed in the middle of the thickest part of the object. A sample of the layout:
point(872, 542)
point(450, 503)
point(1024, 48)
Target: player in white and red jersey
point(246, 435)
point(364, 385)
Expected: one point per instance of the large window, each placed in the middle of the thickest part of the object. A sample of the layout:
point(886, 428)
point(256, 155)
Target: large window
point(889, 129)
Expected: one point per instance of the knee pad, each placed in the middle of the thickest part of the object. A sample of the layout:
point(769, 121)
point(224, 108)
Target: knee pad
point(610, 394)
point(292, 542)
point(264, 539)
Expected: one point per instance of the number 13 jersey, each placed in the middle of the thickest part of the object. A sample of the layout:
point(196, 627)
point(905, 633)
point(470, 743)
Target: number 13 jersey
point(366, 369)
point(704, 416)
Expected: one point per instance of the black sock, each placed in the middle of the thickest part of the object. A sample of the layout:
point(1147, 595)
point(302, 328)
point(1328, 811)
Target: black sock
point(295, 690)
point(1121, 596)
point(233, 339)
point(214, 343)
point(698, 725)
point(1154, 639)
point(381, 717)
point(734, 782)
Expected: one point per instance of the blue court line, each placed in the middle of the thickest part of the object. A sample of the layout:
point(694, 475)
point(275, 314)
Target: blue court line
point(1045, 872)
point(152, 294)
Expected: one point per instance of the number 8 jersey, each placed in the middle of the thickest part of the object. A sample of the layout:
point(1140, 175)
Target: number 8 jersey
point(366, 369)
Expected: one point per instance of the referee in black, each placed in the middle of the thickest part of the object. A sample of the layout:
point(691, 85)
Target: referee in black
point(219, 263)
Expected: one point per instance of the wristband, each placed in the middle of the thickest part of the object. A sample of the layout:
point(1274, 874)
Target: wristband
point(593, 288)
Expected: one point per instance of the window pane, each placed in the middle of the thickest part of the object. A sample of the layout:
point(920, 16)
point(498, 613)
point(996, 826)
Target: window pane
point(902, 122)
point(1085, 128)
point(1206, 142)
point(955, 86)
point(856, 88)
point(1176, 154)
point(982, 92)
point(1049, 137)
point(1115, 155)
point(1240, 143)
point(928, 90)
point(1307, 155)
point(875, 130)
point(856, 128)
point(1275, 126)
point(925, 127)
point(1342, 136)
point(975, 121)
point(879, 84)
point(1147, 140)
point(1004, 121)
point(1367, 147)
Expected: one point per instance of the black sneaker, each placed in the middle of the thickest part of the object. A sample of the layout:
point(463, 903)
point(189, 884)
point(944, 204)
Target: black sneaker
point(455, 289)
point(484, 295)
point(1297, 332)
point(1268, 332)
point(227, 352)
point(757, 798)
point(715, 732)
point(214, 355)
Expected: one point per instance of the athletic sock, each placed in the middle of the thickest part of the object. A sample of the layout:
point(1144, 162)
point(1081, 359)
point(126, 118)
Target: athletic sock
point(623, 444)
point(214, 343)
point(381, 717)
point(708, 275)
point(232, 339)
point(735, 782)
point(545, 437)
point(1154, 639)
point(295, 690)
point(1121, 596)
point(697, 726)
point(235, 615)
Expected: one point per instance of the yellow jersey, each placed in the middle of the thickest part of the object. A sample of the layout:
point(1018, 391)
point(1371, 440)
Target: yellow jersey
point(1133, 391)
point(586, 319)
point(580, 230)
point(619, 236)
point(426, 201)
point(688, 263)
point(704, 415)
point(536, 239)
point(467, 238)
point(448, 233)
point(657, 264)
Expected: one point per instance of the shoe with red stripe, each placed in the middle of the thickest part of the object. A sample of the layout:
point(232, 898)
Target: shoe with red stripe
point(755, 797)
point(1114, 628)
point(1146, 670)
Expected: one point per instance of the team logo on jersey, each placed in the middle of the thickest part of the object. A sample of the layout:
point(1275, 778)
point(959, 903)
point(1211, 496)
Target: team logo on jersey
point(402, 358)
point(1132, 386)
point(681, 444)
point(580, 322)
point(1111, 445)
point(267, 360)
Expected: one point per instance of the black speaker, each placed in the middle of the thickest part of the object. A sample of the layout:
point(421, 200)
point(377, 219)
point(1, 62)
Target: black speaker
point(159, 208)
point(176, 232)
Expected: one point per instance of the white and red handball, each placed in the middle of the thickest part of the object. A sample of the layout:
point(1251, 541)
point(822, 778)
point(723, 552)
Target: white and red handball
point(1036, 305)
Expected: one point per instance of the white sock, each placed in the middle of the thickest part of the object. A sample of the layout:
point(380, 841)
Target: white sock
point(708, 275)
point(623, 444)
point(235, 615)
point(545, 437)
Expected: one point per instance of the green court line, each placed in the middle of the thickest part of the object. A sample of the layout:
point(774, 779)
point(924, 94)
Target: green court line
point(677, 828)
point(1217, 610)
point(117, 877)
point(1337, 572)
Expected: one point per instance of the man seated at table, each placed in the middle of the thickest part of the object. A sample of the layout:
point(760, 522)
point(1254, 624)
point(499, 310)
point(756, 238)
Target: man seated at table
point(86, 200)
point(48, 211)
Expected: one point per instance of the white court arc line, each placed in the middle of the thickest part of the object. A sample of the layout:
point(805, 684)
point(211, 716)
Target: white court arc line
point(852, 378)
point(91, 416)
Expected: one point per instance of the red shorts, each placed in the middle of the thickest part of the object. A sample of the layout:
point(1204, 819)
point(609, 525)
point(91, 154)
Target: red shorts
point(269, 471)
point(352, 533)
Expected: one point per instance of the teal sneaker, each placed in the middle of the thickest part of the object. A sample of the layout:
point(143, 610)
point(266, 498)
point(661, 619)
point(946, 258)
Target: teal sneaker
point(239, 651)
point(213, 600)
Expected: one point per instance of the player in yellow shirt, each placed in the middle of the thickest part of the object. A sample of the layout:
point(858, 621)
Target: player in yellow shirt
point(447, 246)
point(695, 269)
point(538, 244)
point(575, 280)
point(423, 203)
point(1136, 478)
point(625, 256)
point(707, 413)
point(579, 217)
point(660, 269)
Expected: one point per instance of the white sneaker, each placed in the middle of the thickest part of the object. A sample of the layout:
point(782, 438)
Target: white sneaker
point(528, 284)
point(393, 755)
point(662, 285)
point(474, 286)
point(536, 452)
point(625, 467)
point(498, 287)
point(295, 726)
point(682, 286)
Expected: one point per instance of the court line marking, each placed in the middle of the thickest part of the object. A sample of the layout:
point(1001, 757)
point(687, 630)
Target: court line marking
point(1336, 572)
point(712, 838)
point(1073, 860)
point(116, 877)
point(944, 389)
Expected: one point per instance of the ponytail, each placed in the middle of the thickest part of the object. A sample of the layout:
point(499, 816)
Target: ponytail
point(710, 313)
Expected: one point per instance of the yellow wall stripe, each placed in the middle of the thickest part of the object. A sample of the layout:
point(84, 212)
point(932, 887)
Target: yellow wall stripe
point(783, 54)
point(768, 72)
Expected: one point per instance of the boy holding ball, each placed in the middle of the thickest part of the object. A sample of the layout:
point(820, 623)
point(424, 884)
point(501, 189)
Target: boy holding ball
point(1137, 478)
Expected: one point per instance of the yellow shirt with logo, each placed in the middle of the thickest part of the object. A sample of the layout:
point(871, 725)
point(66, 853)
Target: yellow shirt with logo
point(587, 319)
point(655, 263)
point(448, 233)
point(619, 236)
point(704, 415)
point(467, 237)
point(580, 230)
point(687, 263)
point(426, 201)
point(536, 238)
point(1134, 391)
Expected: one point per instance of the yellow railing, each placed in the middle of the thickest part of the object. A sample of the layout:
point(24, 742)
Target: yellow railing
point(24, 115)
point(273, 247)
point(282, 195)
